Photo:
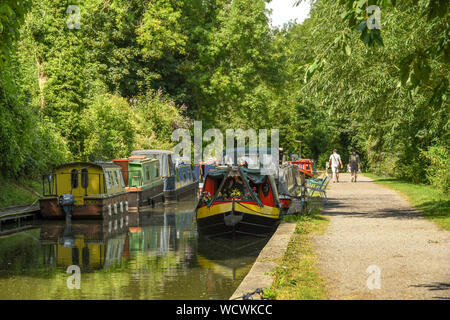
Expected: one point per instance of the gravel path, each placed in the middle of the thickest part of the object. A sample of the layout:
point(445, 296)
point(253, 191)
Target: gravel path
point(371, 225)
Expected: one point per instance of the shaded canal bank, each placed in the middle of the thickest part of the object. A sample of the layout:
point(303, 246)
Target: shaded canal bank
point(154, 255)
point(260, 276)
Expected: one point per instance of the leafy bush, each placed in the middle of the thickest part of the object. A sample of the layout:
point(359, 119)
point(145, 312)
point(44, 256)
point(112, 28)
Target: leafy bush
point(29, 144)
point(47, 137)
point(438, 172)
point(411, 169)
point(156, 116)
point(108, 128)
point(322, 161)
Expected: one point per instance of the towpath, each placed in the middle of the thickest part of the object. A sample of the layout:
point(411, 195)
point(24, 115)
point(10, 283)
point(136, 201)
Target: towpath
point(375, 235)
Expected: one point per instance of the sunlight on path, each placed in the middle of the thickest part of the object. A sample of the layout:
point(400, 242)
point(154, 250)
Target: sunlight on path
point(373, 226)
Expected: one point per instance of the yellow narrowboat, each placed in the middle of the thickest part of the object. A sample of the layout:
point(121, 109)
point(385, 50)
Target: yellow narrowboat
point(97, 188)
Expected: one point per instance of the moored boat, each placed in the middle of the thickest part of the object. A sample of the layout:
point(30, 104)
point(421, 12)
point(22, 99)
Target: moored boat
point(96, 190)
point(177, 174)
point(238, 200)
point(289, 184)
point(200, 172)
point(143, 181)
point(305, 166)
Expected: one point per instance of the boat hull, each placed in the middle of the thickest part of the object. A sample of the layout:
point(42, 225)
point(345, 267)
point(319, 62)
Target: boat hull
point(188, 191)
point(237, 218)
point(93, 207)
point(139, 200)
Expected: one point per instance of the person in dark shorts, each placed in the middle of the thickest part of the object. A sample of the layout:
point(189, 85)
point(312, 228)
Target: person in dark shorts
point(354, 164)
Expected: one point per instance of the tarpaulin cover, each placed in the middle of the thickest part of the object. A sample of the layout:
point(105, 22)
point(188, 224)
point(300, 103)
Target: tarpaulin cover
point(288, 180)
point(221, 173)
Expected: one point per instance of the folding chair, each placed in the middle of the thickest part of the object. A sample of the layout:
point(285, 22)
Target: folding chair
point(319, 186)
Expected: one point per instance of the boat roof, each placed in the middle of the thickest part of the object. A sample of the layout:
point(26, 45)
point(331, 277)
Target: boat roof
point(100, 164)
point(247, 150)
point(151, 151)
point(142, 159)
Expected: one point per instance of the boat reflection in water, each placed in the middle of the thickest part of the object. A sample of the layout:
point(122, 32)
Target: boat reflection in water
point(153, 255)
point(91, 245)
point(229, 256)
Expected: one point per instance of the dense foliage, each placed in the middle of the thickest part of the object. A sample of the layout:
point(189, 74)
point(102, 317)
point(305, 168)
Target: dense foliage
point(132, 71)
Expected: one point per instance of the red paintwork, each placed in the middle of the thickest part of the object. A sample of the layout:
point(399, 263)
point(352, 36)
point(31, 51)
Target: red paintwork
point(286, 203)
point(305, 166)
point(269, 199)
point(123, 163)
point(211, 186)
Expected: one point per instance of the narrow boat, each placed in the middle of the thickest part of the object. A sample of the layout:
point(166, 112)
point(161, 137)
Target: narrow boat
point(143, 181)
point(238, 200)
point(200, 172)
point(289, 184)
point(96, 190)
point(177, 174)
point(305, 166)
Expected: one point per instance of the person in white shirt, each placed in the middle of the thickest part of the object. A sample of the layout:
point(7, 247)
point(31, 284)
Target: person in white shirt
point(335, 162)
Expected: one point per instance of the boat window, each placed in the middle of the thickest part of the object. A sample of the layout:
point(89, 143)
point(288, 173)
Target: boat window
point(182, 175)
point(84, 178)
point(147, 173)
point(171, 165)
point(157, 172)
point(116, 178)
point(74, 178)
point(107, 179)
point(121, 180)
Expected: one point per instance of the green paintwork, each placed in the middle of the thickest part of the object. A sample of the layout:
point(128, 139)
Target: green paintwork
point(144, 173)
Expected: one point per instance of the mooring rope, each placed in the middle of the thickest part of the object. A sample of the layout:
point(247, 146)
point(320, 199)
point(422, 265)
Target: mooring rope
point(248, 296)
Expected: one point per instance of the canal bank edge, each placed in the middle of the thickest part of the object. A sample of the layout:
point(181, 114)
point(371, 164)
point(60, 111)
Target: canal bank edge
point(260, 275)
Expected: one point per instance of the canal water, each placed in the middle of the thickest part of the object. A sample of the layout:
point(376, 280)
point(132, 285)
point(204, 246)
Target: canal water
point(153, 255)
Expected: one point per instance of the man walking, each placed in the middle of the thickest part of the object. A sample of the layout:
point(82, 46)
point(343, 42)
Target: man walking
point(335, 162)
point(354, 164)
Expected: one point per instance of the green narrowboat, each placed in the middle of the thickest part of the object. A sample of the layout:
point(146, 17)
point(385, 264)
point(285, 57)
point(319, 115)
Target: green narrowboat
point(177, 173)
point(144, 183)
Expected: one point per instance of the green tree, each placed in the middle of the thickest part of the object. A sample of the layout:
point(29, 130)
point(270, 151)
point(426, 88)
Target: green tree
point(108, 127)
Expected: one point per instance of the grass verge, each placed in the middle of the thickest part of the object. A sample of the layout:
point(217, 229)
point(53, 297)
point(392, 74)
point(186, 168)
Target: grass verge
point(296, 278)
point(433, 204)
point(21, 192)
